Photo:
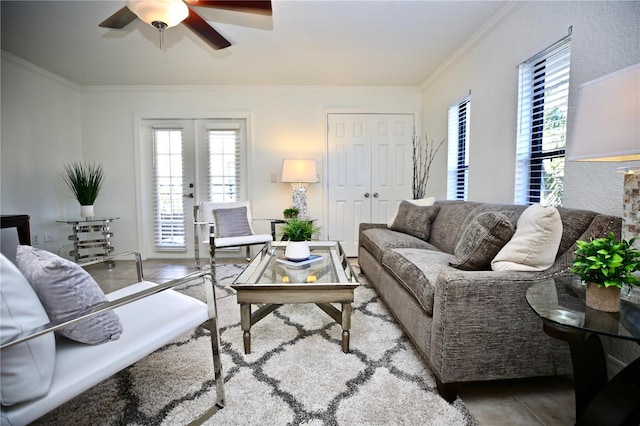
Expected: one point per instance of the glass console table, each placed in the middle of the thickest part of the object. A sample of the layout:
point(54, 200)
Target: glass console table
point(91, 238)
point(565, 316)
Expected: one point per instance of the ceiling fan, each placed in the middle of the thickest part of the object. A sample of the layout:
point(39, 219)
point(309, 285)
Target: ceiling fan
point(163, 14)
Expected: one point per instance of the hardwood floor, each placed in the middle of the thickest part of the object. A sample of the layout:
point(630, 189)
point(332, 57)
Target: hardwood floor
point(540, 401)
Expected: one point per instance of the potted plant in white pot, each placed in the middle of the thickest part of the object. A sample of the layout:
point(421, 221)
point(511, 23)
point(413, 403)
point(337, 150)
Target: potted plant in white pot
point(298, 232)
point(84, 182)
point(606, 266)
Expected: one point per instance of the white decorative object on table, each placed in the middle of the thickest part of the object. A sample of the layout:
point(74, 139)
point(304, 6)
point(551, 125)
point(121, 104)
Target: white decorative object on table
point(297, 250)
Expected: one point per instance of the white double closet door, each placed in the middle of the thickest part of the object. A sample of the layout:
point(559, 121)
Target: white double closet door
point(370, 170)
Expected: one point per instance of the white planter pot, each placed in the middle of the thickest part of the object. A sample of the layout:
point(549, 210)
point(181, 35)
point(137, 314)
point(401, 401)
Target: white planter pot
point(86, 211)
point(297, 250)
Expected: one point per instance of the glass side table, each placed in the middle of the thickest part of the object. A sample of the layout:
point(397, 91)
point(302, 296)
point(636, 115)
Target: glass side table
point(565, 316)
point(91, 238)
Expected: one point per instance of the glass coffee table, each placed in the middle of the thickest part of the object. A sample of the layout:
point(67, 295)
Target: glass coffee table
point(268, 282)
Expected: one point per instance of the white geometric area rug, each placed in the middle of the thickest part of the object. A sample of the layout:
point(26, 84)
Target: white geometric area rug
point(296, 374)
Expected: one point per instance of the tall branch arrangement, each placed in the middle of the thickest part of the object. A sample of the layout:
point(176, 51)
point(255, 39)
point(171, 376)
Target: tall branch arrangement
point(423, 156)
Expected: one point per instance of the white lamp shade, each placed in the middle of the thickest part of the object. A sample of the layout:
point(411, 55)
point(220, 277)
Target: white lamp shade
point(299, 171)
point(608, 118)
point(171, 12)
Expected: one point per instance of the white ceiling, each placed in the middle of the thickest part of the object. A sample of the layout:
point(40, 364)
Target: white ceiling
point(305, 42)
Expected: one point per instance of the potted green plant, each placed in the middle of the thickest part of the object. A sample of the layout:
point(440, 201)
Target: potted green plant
point(291, 212)
point(298, 232)
point(84, 181)
point(606, 266)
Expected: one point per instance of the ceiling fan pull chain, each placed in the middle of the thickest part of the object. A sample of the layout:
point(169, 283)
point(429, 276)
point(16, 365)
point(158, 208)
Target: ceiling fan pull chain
point(160, 26)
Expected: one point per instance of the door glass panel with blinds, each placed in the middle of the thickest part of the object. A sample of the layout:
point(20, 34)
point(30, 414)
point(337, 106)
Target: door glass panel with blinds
point(543, 95)
point(186, 162)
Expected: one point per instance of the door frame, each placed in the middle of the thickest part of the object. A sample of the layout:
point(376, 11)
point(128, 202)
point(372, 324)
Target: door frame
point(139, 146)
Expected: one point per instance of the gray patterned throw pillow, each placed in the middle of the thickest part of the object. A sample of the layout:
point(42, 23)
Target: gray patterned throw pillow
point(414, 220)
point(481, 241)
point(231, 222)
point(65, 289)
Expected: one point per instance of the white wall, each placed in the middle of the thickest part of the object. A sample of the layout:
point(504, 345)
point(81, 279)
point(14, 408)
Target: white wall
point(98, 124)
point(606, 37)
point(40, 132)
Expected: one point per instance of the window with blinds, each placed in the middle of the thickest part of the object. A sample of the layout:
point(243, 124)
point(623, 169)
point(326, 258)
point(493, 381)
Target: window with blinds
point(225, 163)
point(543, 94)
point(168, 172)
point(458, 159)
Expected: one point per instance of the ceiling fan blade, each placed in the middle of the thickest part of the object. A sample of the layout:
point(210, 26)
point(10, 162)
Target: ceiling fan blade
point(120, 19)
point(258, 7)
point(205, 31)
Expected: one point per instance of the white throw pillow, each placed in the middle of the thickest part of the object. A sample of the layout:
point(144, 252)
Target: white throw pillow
point(27, 368)
point(429, 201)
point(535, 243)
point(66, 289)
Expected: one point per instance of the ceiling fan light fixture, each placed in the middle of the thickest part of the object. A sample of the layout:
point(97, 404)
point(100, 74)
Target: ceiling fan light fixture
point(158, 12)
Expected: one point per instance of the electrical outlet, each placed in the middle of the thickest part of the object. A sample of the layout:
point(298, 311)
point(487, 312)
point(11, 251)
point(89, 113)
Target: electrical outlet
point(47, 237)
point(35, 239)
point(274, 178)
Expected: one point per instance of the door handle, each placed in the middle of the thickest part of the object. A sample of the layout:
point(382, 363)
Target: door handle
point(366, 195)
point(189, 195)
point(375, 195)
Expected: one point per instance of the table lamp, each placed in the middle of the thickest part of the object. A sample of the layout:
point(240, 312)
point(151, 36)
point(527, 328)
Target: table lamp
point(299, 173)
point(608, 129)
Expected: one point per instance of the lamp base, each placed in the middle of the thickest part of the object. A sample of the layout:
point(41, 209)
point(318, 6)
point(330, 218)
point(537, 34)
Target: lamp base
point(299, 197)
point(631, 208)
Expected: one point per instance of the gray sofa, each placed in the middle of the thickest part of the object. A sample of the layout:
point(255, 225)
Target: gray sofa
point(470, 325)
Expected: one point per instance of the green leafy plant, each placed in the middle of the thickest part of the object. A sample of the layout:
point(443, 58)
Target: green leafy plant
point(291, 212)
point(299, 230)
point(607, 262)
point(84, 181)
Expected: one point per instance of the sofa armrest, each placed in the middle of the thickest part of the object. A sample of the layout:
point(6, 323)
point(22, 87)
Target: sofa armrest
point(108, 306)
point(365, 226)
point(475, 314)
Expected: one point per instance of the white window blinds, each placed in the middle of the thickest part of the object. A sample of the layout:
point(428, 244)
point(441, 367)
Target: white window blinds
point(458, 158)
point(543, 93)
point(225, 162)
point(168, 200)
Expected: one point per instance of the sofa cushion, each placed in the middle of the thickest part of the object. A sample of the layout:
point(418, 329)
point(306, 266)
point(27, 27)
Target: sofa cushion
point(447, 227)
point(534, 245)
point(231, 222)
point(378, 240)
point(417, 271)
point(66, 289)
point(428, 201)
point(414, 220)
point(27, 368)
point(481, 241)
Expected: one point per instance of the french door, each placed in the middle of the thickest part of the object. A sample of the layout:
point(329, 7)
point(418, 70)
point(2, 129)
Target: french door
point(370, 171)
point(184, 162)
